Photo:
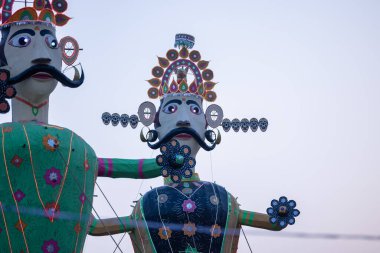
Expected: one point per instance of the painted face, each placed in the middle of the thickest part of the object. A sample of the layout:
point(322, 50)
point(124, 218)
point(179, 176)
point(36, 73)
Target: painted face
point(182, 111)
point(28, 45)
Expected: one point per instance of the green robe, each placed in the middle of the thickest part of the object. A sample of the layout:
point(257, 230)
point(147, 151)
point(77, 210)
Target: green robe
point(47, 177)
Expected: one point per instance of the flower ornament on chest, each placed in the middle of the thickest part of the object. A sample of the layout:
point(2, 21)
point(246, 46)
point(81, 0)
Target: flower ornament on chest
point(175, 161)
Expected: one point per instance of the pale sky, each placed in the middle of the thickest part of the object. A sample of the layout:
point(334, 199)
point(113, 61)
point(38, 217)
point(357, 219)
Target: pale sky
point(310, 67)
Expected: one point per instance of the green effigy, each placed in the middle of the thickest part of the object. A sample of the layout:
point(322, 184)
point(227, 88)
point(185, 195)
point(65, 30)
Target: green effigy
point(47, 177)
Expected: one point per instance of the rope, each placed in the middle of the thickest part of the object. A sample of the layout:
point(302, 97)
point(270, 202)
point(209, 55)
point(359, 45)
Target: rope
point(96, 213)
point(246, 239)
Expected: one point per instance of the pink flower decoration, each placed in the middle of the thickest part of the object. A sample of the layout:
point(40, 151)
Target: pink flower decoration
point(19, 195)
point(53, 176)
point(188, 206)
point(50, 246)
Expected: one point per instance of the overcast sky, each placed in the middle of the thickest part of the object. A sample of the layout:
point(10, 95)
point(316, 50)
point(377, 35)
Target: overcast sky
point(310, 67)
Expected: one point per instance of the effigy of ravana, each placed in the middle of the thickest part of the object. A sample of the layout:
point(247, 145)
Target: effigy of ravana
point(188, 214)
point(47, 172)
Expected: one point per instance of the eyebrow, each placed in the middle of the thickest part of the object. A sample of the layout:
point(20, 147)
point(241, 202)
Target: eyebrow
point(45, 31)
point(189, 102)
point(28, 31)
point(173, 101)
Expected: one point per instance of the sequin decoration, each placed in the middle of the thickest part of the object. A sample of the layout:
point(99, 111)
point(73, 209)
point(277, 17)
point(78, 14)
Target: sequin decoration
point(189, 229)
point(59, 5)
point(6, 91)
point(215, 231)
point(50, 143)
point(153, 93)
point(154, 82)
point(162, 198)
point(164, 233)
point(282, 212)
point(195, 56)
point(172, 55)
point(163, 62)
point(53, 177)
point(50, 246)
point(189, 206)
point(175, 161)
point(203, 64)
point(207, 74)
point(17, 161)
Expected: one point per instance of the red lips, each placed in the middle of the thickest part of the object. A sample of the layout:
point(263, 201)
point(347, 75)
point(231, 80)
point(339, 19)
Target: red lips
point(42, 75)
point(183, 136)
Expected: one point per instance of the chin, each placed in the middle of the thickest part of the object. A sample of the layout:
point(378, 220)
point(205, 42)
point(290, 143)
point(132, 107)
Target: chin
point(32, 89)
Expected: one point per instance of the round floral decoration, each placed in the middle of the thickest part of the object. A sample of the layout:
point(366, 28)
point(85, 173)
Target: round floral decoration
point(283, 212)
point(53, 177)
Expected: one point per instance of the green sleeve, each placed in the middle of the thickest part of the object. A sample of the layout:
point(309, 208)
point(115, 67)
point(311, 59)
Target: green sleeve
point(128, 168)
point(110, 226)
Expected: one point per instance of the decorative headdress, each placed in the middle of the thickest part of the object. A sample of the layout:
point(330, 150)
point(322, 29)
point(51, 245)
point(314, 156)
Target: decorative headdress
point(41, 11)
point(180, 63)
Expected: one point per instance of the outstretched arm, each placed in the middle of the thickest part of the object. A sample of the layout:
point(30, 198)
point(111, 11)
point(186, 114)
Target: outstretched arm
point(110, 226)
point(128, 168)
point(256, 220)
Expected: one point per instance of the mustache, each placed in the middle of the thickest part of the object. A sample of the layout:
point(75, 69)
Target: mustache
point(182, 130)
point(55, 73)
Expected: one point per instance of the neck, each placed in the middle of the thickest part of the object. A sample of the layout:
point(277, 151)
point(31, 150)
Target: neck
point(23, 110)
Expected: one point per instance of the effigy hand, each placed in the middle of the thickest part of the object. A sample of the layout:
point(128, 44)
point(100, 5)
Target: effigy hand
point(282, 212)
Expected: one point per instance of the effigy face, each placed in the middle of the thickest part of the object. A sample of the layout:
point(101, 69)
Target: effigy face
point(182, 112)
point(29, 45)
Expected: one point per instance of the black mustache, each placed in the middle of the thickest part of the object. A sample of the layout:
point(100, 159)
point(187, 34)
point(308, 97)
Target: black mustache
point(55, 73)
point(182, 130)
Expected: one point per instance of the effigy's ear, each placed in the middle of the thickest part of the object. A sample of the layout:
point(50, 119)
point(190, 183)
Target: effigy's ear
point(214, 115)
point(69, 49)
point(147, 111)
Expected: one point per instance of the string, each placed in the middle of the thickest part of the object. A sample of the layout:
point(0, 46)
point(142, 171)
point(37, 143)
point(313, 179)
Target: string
point(87, 199)
point(137, 195)
point(249, 246)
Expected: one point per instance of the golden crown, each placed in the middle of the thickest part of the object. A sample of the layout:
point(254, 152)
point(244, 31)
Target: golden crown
point(171, 76)
point(41, 11)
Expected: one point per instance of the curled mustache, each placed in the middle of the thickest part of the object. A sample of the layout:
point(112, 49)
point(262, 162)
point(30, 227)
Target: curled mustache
point(182, 130)
point(55, 73)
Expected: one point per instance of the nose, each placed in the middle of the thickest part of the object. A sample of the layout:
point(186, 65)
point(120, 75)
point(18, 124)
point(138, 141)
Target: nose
point(41, 61)
point(183, 123)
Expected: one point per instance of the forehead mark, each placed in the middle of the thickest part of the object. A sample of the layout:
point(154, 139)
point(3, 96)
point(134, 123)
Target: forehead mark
point(37, 28)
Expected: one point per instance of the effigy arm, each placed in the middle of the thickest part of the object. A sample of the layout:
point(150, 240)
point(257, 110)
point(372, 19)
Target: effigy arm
point(256, 220)
point(128, 168)
point(110, 226)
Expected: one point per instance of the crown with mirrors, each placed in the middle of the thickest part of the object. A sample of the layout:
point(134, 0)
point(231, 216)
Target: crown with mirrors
point(183, 72)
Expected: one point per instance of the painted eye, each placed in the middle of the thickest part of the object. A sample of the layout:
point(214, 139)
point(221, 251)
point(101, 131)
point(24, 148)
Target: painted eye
point(195, 109)
point(170, 108)
point(21, 40)
point(51, 41)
